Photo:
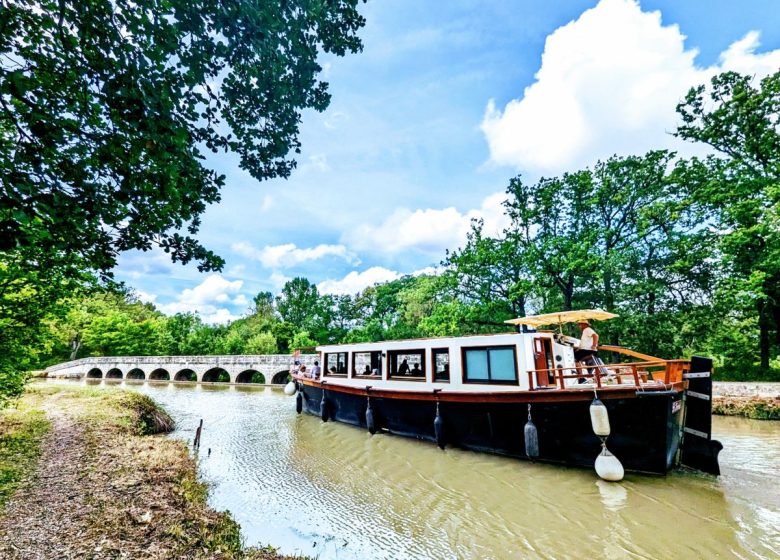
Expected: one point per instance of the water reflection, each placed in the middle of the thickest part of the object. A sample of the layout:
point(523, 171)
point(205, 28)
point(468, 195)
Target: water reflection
point(613, 496)
point(333, 491)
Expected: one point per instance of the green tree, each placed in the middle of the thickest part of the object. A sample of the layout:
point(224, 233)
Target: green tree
point(553, 228)
point(113, 323)
point(101, 135)
point(178, 332)
point(107, 109)
point(298, 302)
point(284, 333)
point(28, 298)
point(740, 189)
point(491, 276)
point(302, 340)
point(261, 343)
point(264, 305)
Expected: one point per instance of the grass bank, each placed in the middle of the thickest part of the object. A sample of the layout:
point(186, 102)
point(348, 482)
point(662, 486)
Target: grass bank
point(22, 429)
point(755, 407)
point(81, 467)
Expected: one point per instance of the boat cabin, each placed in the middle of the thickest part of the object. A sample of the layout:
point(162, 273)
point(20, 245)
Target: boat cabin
point(525, 361)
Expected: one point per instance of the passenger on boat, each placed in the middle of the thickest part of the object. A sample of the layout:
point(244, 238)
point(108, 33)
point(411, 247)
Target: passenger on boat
point(295, 368)
point(403, 369)
point(416, 370)
point(367, 371)
point(303, 371)
point(316, 371)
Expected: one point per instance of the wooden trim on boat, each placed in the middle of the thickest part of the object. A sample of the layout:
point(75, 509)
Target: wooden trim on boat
point(629, 352)
point(550, 395)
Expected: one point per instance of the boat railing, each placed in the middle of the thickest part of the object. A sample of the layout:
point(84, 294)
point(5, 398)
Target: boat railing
point(637, 374)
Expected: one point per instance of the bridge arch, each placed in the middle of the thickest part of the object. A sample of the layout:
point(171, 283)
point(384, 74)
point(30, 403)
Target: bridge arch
point(280, 377)
point(216, 375)
point(186, 374)
point(250, 376)
point(94, 373)
point(114, 373)
point(160, 374)
point(136, 373)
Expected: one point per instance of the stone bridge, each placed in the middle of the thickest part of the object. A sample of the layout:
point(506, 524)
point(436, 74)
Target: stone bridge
point(266, 369)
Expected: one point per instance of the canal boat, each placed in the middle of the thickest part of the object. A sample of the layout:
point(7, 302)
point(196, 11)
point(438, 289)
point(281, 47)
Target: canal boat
point(523, 394)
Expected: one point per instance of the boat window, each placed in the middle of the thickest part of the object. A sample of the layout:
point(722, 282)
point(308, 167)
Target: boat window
point(367, 363)
point(441, 364)
point(336, 363)
point(496, 364)
point(407, 364)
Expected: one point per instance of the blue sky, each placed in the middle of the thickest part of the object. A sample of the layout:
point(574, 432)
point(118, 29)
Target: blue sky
point(446, 103)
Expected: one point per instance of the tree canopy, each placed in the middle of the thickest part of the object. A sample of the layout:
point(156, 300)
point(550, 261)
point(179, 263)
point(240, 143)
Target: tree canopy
point(739, 187)
point(108, 107)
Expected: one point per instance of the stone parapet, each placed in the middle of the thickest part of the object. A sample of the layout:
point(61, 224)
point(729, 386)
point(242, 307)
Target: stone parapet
point(272, 366)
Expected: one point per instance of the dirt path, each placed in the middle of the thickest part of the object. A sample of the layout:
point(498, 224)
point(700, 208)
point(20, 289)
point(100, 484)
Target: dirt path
point(103, 491)
point(42, 517)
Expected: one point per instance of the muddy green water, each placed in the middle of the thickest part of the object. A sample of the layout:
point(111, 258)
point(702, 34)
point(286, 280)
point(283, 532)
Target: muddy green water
point(333, 491)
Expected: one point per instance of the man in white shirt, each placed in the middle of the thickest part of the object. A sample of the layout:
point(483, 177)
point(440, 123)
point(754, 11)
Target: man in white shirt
point(588, 342)
point(315, 371)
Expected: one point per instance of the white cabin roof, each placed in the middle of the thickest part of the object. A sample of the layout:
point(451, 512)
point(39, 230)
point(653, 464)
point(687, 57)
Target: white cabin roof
point(413, 343)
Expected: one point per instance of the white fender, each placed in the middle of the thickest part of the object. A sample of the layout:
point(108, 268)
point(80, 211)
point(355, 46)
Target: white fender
point(290, 388)
point(599, 418)
point(609, 467)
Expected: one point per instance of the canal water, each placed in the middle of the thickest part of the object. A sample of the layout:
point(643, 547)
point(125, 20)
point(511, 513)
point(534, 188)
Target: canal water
point(333, 491)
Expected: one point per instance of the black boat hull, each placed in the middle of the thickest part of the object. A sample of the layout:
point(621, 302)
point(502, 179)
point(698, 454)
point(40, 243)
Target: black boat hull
point(645, 428)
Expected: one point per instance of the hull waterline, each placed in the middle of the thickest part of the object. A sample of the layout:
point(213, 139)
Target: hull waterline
point(645, 432)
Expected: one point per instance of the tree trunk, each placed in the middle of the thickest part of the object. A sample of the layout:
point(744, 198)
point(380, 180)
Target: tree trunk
point(568, 295)
point(75, 345)
point(763, 325)
point(518, 307)
point(609, 298)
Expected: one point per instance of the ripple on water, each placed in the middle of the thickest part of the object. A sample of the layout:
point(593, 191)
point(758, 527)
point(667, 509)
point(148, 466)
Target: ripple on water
point(333, 491)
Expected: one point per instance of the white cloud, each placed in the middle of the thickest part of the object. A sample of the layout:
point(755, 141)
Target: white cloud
point(333, 119)
point(355, 282)
point(237, 270)
point(209, 299)
point(609, 82)
point(429, 271)
point(316, 162)
point(289, 255)
point(139, 264)
point(213, 288)
point(427, 230)
point(741, 57)
point(279, 280)
point(145, 297)
point(266, 204)
point(219, 316)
